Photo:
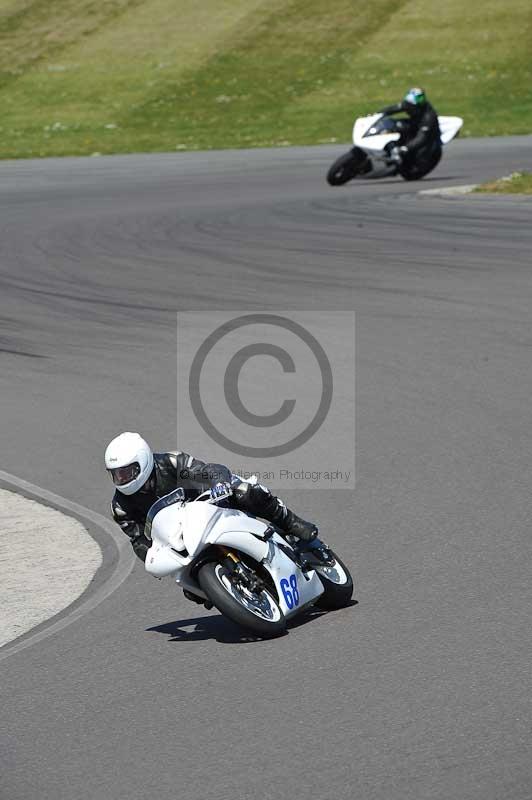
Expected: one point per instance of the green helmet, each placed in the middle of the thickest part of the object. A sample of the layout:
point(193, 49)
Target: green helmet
point(415, 97)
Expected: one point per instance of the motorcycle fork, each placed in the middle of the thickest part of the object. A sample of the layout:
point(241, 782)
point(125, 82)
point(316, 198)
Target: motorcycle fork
point(241, 570)
point(231, 562)
point(229, 554)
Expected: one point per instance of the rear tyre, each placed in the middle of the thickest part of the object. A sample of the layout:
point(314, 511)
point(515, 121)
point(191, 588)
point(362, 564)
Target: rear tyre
point(257, 611)
point(337, 582)
point(353, 163)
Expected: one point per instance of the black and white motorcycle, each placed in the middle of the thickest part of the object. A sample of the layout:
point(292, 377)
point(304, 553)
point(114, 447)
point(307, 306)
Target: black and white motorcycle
point(244, 567)
point(374, 154)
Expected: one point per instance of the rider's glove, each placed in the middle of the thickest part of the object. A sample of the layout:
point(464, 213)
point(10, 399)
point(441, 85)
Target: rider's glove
point(221, 489)
point(133, 530)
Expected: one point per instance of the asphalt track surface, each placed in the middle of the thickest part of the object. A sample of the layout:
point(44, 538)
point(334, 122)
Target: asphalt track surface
point(422, 689)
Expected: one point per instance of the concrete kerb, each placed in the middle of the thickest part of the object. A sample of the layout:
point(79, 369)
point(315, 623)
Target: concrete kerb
point(117, 562)
point(467, 192)
point(450, 191)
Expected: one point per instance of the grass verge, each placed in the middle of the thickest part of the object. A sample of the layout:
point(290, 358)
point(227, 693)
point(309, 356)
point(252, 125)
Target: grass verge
point(109, 76)
point(516, 183)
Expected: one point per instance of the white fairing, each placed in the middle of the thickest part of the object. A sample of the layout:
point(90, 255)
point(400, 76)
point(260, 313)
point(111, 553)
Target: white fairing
point(371, 144)
point(374, 145)
point(449, 127)
point(281, 568)
point(182, 530)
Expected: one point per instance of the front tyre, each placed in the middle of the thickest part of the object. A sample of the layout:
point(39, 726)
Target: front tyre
point(337, 582)
point(256, 610)
point(344, 169)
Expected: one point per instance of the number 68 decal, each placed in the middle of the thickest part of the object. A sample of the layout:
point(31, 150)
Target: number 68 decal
point(290, 591)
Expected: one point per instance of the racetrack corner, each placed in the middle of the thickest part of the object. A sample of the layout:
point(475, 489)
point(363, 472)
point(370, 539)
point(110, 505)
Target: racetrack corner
point(47, 560)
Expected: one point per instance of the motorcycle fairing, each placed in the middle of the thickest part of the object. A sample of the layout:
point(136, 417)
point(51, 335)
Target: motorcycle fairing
point(281, 568)
point(375, 144)
point(371, 144)
point(449, 127)
point(182, 531)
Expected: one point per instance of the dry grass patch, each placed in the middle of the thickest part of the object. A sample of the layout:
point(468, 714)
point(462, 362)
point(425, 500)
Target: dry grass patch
point(516, 183)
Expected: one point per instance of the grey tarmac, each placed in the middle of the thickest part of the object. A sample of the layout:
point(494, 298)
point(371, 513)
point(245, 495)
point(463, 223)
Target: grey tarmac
point(422, 689)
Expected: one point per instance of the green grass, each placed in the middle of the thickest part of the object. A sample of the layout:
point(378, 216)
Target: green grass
point(107, 76)
point(516, 183)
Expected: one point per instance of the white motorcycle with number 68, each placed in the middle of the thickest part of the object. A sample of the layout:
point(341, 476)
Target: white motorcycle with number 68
point(225, 558)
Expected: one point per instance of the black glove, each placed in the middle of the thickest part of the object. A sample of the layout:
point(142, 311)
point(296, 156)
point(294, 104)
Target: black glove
point(140, 545)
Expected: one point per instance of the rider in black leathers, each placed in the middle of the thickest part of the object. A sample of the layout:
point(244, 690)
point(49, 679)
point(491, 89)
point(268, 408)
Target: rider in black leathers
point(423, 143)
point(175, 469)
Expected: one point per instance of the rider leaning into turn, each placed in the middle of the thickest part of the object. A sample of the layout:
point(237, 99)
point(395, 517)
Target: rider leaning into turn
point(424, 135)
point(141, 477)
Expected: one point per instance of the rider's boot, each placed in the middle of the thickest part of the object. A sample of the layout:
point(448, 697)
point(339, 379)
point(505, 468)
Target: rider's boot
point(194, 598)
point(292, 525)
point(300, 528)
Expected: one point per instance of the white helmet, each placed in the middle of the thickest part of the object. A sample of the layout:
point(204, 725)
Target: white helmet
point(129, 461)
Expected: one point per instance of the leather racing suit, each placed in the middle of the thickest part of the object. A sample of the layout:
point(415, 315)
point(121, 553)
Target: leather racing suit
point(423, 140)
point(176, 469)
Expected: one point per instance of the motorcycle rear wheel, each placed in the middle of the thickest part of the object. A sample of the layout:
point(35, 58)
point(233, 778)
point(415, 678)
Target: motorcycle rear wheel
point(337, 582)
point(258, 612)
point(415, 171)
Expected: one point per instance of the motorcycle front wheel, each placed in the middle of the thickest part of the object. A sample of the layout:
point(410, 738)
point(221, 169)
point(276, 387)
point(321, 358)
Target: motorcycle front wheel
point(256, 610)
point(347, 167)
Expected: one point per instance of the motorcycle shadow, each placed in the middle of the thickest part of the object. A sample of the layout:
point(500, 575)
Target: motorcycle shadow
point(200, 629)
point(222, 630)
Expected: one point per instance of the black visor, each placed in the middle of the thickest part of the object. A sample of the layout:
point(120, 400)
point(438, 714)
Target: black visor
point(123, 475)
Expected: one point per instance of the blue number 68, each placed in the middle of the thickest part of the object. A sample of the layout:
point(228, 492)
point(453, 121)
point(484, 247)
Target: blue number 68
point(290, 591)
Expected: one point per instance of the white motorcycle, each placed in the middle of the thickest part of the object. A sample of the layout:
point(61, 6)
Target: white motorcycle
point(223, 557)
point(374, 154)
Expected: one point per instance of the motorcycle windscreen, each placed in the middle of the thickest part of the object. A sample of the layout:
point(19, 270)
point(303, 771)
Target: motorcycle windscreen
point(371, 136)
point(177, 496)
